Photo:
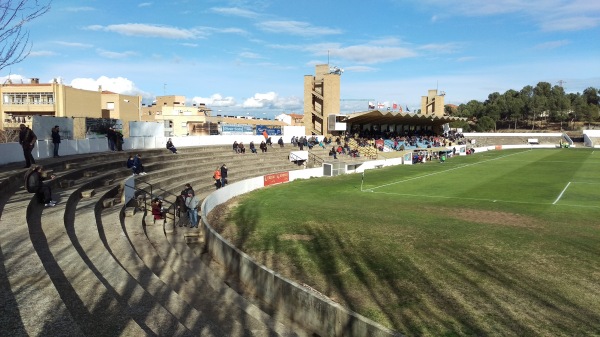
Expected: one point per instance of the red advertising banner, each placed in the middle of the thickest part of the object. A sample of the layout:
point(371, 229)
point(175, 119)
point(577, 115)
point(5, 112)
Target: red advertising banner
point(277, 178)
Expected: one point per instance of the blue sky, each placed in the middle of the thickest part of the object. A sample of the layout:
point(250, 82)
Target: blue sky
point(250, 57)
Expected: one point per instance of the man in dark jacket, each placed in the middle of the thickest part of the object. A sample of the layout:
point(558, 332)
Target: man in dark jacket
point(34, 183)
point(111, 135)
point(223, 175)
point(138, 168)
point(56, 140)
point(27, 140)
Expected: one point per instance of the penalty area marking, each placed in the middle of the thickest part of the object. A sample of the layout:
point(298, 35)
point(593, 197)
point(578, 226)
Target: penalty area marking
point(448, 170)
point(561, 193)
point(482, 199)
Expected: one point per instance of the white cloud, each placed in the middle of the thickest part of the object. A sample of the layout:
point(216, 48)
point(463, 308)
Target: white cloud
point(145, 4)
point(572, 23)
point(550, 15)
point(376, 51)
point(370, 54)
point(193, 45)
point(551, 44)
point(235, 11)
point(296, 28)
point(115, 55)
point(145, 30)
point(74, 44)
point(42, 53)
point(359, 69)
point(118, 85)
point(215, 100)
point(14, 78)
point(466, 58)
point(443, 48)
point(271, 100)
point(250, 55)
point(79, 9)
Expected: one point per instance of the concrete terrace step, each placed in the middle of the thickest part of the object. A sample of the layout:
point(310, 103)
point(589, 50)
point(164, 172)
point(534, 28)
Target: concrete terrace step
point(203, 290)
point(70, 270)
point(84, 284)
point(196, 294)
point(31, 304)
point(150, 305)
point(36, 268)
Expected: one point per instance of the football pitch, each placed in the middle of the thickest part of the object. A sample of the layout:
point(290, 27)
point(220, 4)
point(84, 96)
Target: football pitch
point(568, 179)
point(501, 243)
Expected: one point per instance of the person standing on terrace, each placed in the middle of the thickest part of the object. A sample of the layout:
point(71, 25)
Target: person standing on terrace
point(56, 140)
point(27, 140)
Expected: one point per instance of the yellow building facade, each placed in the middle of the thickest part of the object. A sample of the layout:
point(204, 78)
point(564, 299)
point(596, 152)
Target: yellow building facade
point(321, 99)
point(21, 101)
point(432, 104)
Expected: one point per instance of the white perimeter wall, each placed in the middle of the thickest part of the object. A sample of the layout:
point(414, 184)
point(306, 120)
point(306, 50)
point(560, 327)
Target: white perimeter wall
point(13, 152)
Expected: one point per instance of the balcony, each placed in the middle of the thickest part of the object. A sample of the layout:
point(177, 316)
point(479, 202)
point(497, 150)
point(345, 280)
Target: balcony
point(317, 113)
point(32, 109)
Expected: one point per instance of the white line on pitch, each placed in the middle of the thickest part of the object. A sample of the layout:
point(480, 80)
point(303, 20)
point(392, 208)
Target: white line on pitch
point(452, 169)
point(482, 199)
point(561, 193)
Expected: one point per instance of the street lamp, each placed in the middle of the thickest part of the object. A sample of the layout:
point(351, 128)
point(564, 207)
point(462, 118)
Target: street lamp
point(137, 106)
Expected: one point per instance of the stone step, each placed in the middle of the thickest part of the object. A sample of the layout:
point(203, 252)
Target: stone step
point(107, 203)
point(129, 211)
point(66, 183)
point(193, 237)
point(87, 193)
point(130, 301)
point(90, 173)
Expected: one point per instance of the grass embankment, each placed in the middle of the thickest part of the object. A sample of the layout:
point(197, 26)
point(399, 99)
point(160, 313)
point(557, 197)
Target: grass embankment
point(502, 243)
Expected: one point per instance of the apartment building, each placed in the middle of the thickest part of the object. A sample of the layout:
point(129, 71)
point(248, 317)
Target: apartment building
point(22, 101)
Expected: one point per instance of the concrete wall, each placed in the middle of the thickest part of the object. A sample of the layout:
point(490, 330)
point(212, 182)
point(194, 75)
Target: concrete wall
point(283, 296)
point(588, 136)
point(513, 134)
point(12, 152)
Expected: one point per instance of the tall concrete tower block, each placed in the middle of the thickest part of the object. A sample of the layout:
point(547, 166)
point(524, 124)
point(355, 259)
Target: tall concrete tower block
point(321, 99)
point(433, 103)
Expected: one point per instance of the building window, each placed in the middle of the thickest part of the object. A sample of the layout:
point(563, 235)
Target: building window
point(28, 98)
point(110, 105)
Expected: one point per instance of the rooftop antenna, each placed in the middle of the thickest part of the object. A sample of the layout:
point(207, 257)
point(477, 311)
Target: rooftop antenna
point(560, 83)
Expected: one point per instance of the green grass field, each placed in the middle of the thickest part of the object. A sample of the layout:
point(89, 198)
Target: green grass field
point(502, 243)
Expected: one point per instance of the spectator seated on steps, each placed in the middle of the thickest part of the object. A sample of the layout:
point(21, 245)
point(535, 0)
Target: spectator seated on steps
point(34, 183)
point(157, 209)
point(170, 146)
point(252, 147)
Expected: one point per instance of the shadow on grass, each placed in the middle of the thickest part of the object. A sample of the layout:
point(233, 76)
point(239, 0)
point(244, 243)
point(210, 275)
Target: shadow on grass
point(444, 290)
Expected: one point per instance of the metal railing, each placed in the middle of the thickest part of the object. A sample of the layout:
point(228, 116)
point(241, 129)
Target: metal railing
point(315, 160)
point(172, 209)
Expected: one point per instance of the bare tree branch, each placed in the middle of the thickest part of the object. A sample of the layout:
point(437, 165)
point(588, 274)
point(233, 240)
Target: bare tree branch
point(14, 37)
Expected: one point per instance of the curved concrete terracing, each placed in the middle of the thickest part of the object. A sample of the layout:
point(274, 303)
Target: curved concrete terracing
point(83, 269)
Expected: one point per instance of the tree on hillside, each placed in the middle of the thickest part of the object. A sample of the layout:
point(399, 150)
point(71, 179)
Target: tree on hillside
point(591, 96)
point(559, 104)
point(14, 38)
point(486, 123)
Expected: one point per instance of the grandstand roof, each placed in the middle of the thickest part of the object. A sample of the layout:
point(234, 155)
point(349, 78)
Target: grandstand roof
point(397, 117)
